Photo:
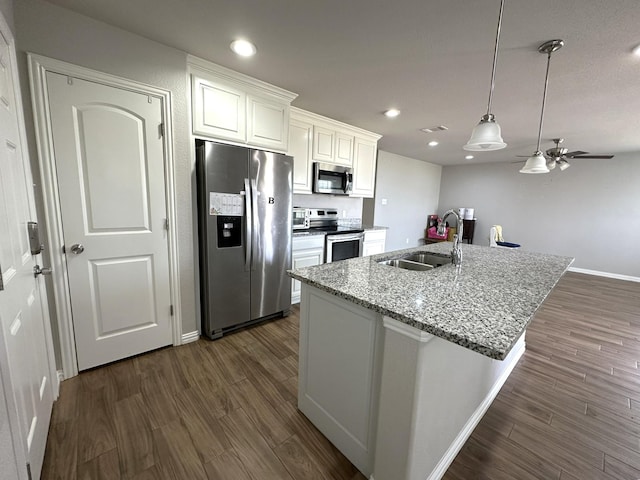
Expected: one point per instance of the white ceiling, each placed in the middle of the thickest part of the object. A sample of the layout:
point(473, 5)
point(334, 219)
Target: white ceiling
point(352, 59)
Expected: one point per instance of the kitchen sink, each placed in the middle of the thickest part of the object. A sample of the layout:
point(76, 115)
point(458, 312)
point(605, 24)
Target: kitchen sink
point(419, 261)
point(434, 259)
point(407, 265)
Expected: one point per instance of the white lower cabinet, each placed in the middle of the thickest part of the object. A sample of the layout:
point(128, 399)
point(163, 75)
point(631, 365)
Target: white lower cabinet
point(307, 252)
point(374, 242)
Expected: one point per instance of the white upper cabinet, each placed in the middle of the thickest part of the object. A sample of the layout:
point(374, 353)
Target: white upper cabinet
point(218, 110)
point(314, 138)
point(344, 149)
point(238, 109)
point(300, 141)
point(324, 144)
point(267, 123)
point(364, 168)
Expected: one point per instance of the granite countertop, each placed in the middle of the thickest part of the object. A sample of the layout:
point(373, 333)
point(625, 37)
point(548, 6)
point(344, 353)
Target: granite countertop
point(485, 304)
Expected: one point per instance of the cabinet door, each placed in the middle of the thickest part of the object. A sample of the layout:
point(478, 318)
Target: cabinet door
point(323, 144)
point(364, 168)
point(300, 259)
point(218, 110)
point(344, 149)
point(300, 137)
point(268, 123)
point(372, 248)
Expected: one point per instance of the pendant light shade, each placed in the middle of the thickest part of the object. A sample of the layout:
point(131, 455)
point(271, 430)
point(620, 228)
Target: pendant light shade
point(487, 134)
point(538, 163)
point(535, 164)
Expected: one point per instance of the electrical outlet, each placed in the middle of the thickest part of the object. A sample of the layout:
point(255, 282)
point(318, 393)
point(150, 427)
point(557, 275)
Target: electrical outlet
point(384, 201)
point(407, 241)
point(344, 214)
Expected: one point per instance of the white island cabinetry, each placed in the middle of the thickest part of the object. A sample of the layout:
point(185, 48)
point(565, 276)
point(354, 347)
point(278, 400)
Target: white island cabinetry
point(397, 367)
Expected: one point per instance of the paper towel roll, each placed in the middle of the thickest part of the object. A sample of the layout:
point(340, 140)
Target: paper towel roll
point(468, 213)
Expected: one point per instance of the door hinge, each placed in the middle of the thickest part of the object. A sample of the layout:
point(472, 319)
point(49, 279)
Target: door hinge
point(1, 279)
point(166, 224)
point(161, 129)
point(64, 249)
point(171, 310)
point(29, 471)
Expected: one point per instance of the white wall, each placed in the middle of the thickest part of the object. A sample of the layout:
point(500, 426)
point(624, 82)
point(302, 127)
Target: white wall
point(591, 211)
point(411, 188)
point(55, 32)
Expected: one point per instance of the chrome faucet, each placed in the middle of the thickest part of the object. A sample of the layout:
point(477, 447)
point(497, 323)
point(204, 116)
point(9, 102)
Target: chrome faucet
point(456, 253)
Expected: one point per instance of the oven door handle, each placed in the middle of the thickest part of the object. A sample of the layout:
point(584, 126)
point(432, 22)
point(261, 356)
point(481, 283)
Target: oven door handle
point(345, 237)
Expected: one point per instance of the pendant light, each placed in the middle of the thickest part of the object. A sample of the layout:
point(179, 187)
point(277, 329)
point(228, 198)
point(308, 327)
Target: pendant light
point(537, 163)
point(487, 134)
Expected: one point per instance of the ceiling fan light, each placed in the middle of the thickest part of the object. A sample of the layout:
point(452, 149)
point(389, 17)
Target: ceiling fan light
point(535, 164)
point(487, 135)
point(564, 165)
point(551, 163)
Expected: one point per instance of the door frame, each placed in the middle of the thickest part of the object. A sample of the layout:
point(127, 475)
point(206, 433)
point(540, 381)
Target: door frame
point(38, 67)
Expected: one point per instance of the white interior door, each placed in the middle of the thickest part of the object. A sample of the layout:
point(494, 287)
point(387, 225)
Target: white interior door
point(109, 159)
point(25, 342)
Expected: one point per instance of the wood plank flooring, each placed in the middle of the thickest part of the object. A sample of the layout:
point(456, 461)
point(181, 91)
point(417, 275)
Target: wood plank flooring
point(227, 409)
point(223, 410)
point(571, 408)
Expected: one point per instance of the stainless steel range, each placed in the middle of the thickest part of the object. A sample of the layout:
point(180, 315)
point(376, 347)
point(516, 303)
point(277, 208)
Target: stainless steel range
point(342, 241)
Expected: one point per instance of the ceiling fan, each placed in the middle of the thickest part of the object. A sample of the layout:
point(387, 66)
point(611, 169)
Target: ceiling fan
point(558, 156)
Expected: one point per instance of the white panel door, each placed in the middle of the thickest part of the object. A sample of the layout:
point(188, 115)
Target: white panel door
point(25, 342)
point(110, 169)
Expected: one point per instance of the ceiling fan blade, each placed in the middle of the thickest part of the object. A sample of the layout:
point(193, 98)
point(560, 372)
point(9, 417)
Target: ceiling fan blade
point(574, 153)
point(594, 156)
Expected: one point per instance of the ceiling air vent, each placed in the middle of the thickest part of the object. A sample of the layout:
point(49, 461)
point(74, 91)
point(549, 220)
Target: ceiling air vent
point(439, 128)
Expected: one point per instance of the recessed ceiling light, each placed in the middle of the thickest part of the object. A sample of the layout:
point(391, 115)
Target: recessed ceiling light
point(432, 143)
point(636, 51)
point(392, 113)
point(468, 157)
point(243, 48)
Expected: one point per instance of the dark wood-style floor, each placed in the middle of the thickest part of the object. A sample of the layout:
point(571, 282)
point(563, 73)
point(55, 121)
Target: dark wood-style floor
point(226, 409)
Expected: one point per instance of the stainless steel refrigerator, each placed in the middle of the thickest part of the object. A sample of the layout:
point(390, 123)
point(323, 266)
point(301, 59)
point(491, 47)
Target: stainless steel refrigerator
point(244, 226)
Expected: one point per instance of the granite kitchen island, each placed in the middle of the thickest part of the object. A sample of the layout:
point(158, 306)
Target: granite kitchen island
point(398, 366)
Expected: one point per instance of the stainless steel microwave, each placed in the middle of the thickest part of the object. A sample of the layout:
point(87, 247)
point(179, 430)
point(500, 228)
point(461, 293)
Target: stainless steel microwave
point(334, 179)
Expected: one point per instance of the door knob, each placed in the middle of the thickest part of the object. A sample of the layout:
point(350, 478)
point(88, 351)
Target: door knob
point(37, 270)
point(77, 248)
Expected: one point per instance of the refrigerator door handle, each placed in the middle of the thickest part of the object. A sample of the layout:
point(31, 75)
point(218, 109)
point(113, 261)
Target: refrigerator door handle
point(248, 222)
point(254, 203)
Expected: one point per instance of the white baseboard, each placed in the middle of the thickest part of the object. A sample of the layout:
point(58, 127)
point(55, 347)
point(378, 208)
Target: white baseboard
point(57, 381)
point(618, 276)
point(190, 337)
point(450, 455)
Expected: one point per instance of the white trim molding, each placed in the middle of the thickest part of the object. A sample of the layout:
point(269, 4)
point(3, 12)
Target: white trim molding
point(190, 337)
point(38, 68)
point(617, 276)
point(406, 330)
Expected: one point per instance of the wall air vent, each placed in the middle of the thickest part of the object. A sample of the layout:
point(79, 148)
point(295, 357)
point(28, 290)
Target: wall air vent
point(439, 128)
